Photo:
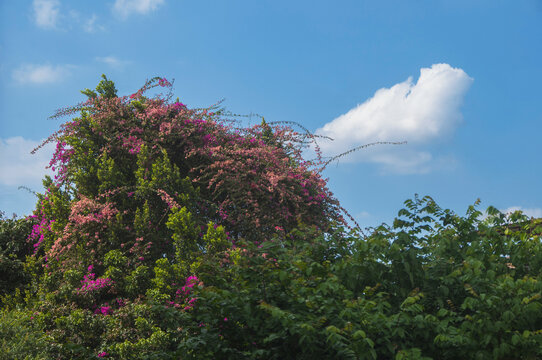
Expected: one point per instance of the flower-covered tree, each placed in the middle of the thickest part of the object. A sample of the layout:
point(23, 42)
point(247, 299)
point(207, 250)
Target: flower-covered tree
point(145, 189)
point(251, 180)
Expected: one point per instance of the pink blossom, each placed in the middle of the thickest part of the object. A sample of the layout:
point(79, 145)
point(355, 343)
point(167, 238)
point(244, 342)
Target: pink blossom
point(178, 105)
point(104, 310)
point(163, 82)
point(89, 284)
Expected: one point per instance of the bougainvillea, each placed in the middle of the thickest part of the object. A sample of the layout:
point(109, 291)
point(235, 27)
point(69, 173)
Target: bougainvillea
point(251, 180)
point(145, 189)
point(146, 184)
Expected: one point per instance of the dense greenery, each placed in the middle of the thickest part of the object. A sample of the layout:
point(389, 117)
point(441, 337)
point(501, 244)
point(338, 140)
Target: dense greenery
point(168, 233)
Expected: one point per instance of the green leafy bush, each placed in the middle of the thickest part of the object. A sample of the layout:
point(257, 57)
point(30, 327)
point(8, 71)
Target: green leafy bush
point(168, 233)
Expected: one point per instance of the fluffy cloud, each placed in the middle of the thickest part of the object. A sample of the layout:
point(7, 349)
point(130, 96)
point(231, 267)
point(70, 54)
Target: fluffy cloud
point(531, 212)
point(419, 113)
point(39, 74)
point(46, 13)
point(125, 8)
point(20, 168)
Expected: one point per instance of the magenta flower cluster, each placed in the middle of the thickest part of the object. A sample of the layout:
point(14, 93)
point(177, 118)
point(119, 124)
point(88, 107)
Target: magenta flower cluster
point(189, 284)
point(91, 284)
point(163, 82)
point(38, 231)
point(182, 299)
point(104, 310)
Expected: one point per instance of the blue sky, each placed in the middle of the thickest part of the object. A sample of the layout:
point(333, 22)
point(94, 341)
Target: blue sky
point(460, 81)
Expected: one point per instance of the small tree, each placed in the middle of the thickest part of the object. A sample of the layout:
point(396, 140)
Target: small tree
point(146, 188)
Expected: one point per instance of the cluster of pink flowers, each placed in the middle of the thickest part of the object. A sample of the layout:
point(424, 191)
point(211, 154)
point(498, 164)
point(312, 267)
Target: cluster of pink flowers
point(61, 157)
point(132, 143)
point(168, 199)
point(90, 284)
point(182, 299)
point(88, 219)
point(190, 304)
point(107, 309)
point(87, 211)
point(269, 180)
point(178, 106)
point(190, 282)
point(104, 310)
point(163, 82)
point(41, 229)
point(38, 231)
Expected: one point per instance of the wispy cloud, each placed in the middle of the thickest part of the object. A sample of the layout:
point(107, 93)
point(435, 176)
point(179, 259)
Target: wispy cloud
point(419, 113)
point(91, 25)
point(112, 61)
point(19, 167)
point(46, 13)
point(531, 212)
point(125, 8)
point(40, 74)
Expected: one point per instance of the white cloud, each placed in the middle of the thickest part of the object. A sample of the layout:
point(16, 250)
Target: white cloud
point(40, 74)
point(363, 214)
point(403, 161)
point(419, 113)
point(112, 61)
point(531, 212)
point(20, 168)
point(90, 25)
point(46, 13)
point(125, 8)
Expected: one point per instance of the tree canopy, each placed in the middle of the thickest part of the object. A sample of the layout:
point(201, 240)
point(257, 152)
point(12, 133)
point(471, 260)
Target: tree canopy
point(169, 232)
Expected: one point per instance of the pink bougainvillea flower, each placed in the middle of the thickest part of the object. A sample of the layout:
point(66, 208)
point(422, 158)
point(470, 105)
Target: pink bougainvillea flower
point(104, 310)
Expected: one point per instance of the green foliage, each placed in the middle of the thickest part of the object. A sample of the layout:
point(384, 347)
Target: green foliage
point(163, 240)
point(13, 251)
point(19, 337)
point(106, 88)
